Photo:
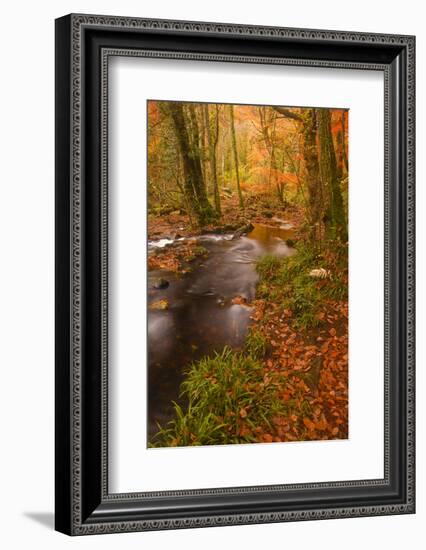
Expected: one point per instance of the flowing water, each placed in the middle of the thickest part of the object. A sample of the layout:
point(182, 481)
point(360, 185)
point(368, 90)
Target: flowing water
point(201, 317)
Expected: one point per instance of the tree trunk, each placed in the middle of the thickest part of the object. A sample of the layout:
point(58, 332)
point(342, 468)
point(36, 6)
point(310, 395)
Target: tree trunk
point(315, 200)
point(336, 223)
point(313, 181)
point(204, 146)
point(212, 143)
point(345, 156)
point(191, 163)
point(234, 148)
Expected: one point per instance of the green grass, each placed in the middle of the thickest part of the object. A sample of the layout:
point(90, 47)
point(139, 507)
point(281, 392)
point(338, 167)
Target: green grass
point(228, 397)
point(286, 281)
point(255, 343)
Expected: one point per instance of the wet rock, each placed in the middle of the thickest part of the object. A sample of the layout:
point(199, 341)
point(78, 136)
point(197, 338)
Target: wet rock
point(210, 231)
point(239, 301)
point(220, 301)
point(159, 284)
point(243, 231)
point(159, 305)
point(230, 227)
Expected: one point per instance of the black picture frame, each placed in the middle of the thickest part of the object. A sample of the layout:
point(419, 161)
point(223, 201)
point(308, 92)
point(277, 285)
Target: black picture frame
point(83, 45)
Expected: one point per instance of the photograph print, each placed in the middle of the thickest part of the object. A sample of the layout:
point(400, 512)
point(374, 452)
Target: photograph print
point(247, 273)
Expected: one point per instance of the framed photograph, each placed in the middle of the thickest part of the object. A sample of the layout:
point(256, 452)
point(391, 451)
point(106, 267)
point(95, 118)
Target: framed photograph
point(234, 274)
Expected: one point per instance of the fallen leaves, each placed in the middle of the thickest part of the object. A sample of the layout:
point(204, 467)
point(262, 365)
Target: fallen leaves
point(243, 413)
point(175, 258)
point(320, 273)
point(159, 305)
point(239, 301)
point(308, 423)
point(314, 369)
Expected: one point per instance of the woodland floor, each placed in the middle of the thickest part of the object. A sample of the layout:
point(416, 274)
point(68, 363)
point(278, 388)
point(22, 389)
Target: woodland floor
point(308, 367)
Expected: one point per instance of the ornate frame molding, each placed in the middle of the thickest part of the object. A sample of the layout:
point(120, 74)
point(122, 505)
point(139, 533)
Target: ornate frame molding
point(73, 517)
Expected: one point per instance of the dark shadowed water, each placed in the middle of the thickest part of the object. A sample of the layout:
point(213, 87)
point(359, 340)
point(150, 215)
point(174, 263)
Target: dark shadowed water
point(201, 318)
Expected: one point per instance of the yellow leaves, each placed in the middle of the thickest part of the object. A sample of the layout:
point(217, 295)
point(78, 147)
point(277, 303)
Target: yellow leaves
point(163, 261)
point(159, 305)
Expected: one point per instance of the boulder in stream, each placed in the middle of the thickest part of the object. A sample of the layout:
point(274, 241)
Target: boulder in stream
point(243, 230)
point(161, 283)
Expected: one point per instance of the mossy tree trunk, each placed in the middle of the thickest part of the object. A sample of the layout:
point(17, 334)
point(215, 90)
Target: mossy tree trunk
point(212, 143)
point(335, 216)
point(268, 126)
point(188, 143)
point(315, 199)
point(313, 180)
point(235, 152)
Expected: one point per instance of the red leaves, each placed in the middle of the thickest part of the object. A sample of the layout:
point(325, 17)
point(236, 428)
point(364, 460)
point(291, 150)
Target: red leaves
point(314, 369)
point(244, 430)
point(309, 424)
point(321, 425)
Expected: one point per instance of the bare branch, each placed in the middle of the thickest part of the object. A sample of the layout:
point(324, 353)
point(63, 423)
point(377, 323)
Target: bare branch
point(288, 114)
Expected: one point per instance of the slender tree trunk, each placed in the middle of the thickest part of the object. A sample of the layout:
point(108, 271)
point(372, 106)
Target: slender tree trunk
point(191, 164)
point(345, 156)
point(340, 147)
point(212, 143)
point(234, 148)
point(328, 169)
point(269, 139)
point(266, 139)
point(308, 122)
point(313, 181)
point(279, 186)
point(204, 146)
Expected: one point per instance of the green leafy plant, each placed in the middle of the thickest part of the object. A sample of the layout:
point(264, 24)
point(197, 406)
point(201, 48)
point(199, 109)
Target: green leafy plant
point(228, 397)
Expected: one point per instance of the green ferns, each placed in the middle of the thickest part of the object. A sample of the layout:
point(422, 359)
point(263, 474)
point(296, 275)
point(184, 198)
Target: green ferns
point(228, 397)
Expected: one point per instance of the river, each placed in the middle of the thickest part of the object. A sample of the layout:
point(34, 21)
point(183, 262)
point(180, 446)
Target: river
point(201, 317)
